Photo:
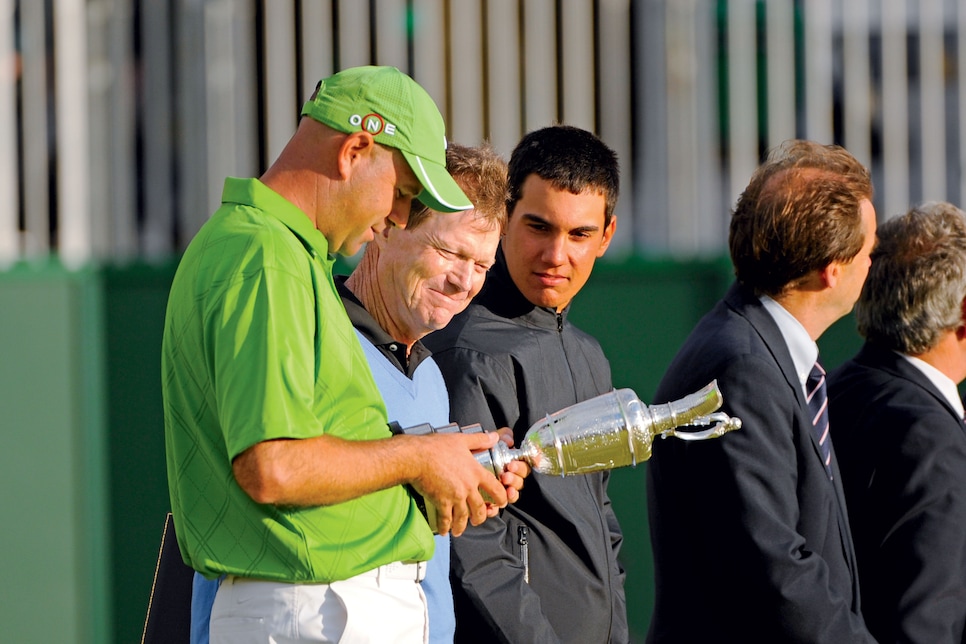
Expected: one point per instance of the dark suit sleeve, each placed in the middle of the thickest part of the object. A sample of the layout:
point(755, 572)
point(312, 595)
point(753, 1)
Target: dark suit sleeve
point(921, 490)
point(744, 491)
point(490, 573)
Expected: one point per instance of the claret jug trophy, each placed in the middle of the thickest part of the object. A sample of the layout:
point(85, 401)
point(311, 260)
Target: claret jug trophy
point(612, 430)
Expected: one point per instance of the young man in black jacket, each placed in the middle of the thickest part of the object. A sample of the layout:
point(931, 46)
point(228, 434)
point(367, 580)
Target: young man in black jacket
point(546, 569)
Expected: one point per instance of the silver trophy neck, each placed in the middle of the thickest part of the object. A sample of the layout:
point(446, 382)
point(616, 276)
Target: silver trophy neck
point(682, 412)
point(499, 456)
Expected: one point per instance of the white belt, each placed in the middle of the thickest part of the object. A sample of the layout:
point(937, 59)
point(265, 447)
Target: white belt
point(415, 571)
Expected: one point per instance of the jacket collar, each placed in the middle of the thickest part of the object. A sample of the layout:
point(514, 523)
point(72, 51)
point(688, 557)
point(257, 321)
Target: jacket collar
point(364, 323)
point(872, 355)
point(744, 301)
point(502, 297)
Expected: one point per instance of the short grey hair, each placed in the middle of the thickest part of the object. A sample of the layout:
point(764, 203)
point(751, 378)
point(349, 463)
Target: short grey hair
point(916, 285)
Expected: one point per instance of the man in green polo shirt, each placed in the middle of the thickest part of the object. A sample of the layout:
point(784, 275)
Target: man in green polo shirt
point(282, 472)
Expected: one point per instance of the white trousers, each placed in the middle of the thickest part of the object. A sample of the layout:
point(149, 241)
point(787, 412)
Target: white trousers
point(375, 607)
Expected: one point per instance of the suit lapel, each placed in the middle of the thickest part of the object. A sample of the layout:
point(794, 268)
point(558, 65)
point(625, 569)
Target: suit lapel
point(749, 306)
point(898, 367)
point(746, 304)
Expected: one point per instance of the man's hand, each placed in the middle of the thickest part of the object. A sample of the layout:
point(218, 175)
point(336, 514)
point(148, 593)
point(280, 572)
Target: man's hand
point(325, 470)
point(452, 479)
point(512, 477)
point(512, 480)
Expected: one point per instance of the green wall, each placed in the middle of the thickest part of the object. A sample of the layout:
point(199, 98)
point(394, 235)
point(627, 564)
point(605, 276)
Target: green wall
point(134, 304)
point(54, 542)
point(81, 414)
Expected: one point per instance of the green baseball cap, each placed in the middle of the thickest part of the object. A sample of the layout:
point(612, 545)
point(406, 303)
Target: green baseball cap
point(399, 114)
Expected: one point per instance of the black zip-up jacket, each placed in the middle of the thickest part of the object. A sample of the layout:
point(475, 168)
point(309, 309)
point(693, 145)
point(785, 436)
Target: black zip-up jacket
point(546, 569)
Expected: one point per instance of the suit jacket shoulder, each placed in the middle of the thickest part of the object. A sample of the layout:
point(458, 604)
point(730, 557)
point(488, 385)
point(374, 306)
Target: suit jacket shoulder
point(902, 453)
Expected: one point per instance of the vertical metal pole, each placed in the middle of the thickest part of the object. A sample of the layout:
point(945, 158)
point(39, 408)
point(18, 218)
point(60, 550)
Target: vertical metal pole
point(281, 95)
point(650, 168)
point(780, 74)
point(465, 123)
point(157, 56)
point(539, 51)
point(317, 48)
point(818, 70)
point(193, 207)
point(73, 147)
point(742, 90)
point(505, 96)
point(577, 60)
point(354, 33)
point(429, 52)
point(857, 80)
point(895, 109)
point(390, 36)
point(615, 117)
point(38, 144)
point(961, 89)
point(9, 193)
point(932, 100)
point(121, 216)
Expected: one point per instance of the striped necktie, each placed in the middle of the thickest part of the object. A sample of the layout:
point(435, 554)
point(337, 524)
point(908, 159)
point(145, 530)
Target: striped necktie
point(817, 399)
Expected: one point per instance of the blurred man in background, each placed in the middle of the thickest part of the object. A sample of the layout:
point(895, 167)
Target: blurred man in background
point(897, 421)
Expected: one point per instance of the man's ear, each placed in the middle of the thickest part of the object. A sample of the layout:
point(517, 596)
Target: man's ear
point(960, 329)
point(354, 148)
point(831, 274)
point(607, 236)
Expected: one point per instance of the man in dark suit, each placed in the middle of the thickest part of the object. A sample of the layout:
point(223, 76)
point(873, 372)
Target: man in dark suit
point(750, 535)
point(897, 421)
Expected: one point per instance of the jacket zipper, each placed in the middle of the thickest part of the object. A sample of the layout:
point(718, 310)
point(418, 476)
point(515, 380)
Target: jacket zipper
point(523, 538)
